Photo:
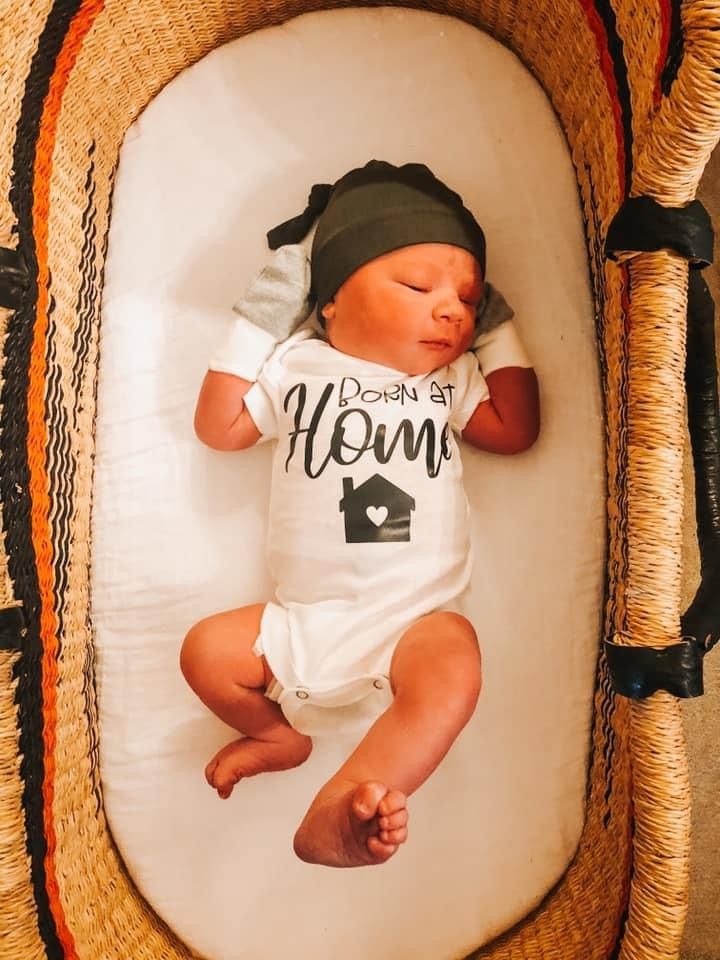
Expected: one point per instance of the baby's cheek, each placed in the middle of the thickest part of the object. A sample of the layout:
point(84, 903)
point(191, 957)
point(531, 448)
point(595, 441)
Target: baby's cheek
point(467, 336)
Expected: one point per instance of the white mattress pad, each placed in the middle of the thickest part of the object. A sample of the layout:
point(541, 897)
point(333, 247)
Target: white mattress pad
point(227, 150)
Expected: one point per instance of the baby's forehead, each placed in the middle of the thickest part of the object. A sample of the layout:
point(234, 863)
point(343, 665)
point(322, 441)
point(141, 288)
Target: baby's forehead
point(437, 255)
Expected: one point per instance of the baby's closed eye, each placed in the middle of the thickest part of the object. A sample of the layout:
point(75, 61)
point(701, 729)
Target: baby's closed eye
point(418, 287)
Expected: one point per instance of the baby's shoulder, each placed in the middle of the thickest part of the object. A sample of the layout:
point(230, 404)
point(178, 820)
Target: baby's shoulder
point(460, 384)
point(457, 373)
point(463, 365)
point(294, 353)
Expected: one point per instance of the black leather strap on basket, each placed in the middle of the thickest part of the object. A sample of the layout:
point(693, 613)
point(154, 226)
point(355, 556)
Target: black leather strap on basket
point(12, 628)
point(642, 224)
point(701, 620)
point(638, 672)
point(13, 278)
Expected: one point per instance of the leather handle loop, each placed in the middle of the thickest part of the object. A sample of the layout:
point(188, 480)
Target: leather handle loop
point(638, 672)
point(642, 225)
point(14, 278)
point(702, 618)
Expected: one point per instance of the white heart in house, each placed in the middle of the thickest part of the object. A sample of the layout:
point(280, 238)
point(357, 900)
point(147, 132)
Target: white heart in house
point(377, 515)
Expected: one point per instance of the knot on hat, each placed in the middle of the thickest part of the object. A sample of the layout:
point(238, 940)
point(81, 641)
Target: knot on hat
point(293, 230)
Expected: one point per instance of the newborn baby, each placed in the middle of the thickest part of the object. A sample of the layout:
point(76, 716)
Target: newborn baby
point(368, 538)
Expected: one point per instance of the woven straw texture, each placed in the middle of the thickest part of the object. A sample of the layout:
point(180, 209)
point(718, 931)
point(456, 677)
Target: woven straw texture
point(636, 88)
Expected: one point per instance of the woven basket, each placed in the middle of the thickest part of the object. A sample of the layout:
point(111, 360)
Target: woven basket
point(636, 87)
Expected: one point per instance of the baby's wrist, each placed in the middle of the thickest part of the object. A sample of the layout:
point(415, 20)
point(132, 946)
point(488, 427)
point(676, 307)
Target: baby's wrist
point(244, 350)
point(500, 347)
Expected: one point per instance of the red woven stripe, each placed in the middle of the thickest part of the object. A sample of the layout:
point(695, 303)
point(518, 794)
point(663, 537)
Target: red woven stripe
point(666, 29)
point(608, 71)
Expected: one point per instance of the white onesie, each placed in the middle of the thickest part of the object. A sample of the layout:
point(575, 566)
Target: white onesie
point(369, 526)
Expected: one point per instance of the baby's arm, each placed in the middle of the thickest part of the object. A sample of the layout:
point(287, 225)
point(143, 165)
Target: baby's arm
point(222, 420)
point(273, 305)
point(509, 420)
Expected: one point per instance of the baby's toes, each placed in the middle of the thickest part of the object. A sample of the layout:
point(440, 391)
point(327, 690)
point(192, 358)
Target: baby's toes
point(210, 771)
point(224, 782)
point(380, 850)
point(394, 820)
point(392, 827)
point(393, 802)
point(393, 837)
point(366, 799)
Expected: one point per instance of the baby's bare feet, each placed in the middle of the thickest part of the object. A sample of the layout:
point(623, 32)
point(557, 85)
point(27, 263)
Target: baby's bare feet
point(353, 825)
point(247, 757)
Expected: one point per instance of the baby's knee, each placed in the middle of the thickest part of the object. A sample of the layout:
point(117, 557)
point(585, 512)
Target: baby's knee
point(194, 650)
point(461, 662)
point(460, 640)
point(458, 629)
point(444, 662)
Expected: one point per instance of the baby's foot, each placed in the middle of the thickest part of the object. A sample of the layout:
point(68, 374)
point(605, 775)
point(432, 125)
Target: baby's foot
point(353, 825)
point(247, 757)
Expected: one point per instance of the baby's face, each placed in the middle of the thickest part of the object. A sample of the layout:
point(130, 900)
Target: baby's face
point(412, 309)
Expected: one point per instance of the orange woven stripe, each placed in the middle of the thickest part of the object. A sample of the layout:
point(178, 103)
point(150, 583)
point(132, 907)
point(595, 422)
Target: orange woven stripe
point(38, 438)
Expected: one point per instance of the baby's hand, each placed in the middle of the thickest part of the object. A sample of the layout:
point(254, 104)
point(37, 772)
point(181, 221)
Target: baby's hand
point(508, 421)
point(278, 299)
point(497, 341)
point(275, 303)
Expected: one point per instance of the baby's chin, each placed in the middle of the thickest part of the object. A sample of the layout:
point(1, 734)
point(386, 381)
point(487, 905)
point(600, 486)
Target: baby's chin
point(415, 360)
point(424, 360)
point(410, 366)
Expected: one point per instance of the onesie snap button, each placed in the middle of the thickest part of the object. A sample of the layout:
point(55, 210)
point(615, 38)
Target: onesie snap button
point(378, 684)
point(302, 694)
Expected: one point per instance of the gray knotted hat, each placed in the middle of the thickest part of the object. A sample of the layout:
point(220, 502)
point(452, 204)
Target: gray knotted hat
point(373, 210)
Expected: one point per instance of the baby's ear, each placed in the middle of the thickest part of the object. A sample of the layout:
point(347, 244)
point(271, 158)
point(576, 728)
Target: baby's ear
point(328, 311)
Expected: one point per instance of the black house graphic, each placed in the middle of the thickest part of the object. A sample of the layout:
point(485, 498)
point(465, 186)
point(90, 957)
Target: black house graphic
point(375, 512)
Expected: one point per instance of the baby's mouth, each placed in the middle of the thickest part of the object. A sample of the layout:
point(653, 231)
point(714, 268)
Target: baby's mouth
point(439, 344)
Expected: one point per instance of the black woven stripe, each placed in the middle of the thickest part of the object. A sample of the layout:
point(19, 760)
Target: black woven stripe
point(88, 293)
point(61, 473)
point(60, 455)
point(87, 311)
point(675, 48)
point(606, 737)
point(617, 54)
point(14, 477)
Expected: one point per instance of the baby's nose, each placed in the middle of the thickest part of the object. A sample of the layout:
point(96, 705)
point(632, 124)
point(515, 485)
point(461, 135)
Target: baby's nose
point(450, 308)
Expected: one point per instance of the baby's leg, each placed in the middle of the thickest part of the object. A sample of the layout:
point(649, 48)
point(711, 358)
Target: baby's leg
point(218, 662)
point(359, 816)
